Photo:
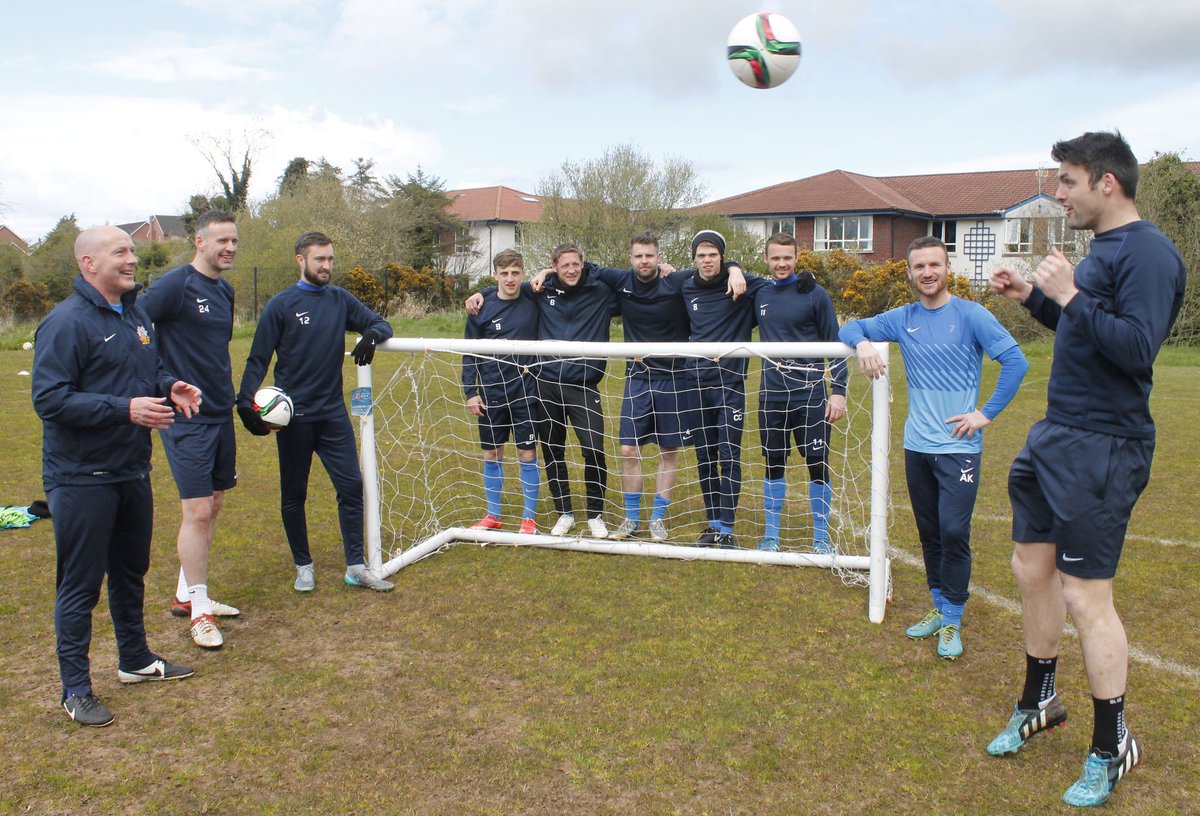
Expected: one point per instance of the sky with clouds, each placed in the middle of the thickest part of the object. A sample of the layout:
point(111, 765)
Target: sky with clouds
point(102, 102)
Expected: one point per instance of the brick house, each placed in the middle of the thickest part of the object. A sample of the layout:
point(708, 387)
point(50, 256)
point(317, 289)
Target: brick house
point(156, 228)
point(985, 218)
point(10, 238)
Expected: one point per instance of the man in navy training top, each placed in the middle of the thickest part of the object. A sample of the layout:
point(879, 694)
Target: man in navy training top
point(792, 404)
point(658, 407)
point(192, 310)
point(717, 316)
point(942, 339)
point(1074, 485)
point(99, 386)
point(305, 327)
point(501, 391)
point(572, 305)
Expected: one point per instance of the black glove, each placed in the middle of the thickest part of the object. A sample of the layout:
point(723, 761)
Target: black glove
point(806, 281)
point(364, 352)
point(253, 422)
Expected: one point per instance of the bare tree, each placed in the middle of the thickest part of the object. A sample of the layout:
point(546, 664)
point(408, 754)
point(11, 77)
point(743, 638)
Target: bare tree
point(222, 152)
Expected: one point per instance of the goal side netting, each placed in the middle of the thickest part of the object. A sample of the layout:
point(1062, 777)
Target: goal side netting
point(423, 467)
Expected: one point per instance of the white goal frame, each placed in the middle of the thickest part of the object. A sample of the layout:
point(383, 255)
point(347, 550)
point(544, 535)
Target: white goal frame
point(876, 563)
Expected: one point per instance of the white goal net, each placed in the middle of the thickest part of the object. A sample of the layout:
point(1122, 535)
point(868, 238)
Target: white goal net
point(423, 466)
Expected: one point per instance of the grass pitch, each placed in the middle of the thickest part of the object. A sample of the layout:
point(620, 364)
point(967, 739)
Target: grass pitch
point(502, 681)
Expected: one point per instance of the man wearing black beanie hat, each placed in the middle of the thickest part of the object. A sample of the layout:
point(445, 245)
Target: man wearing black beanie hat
point(716, 317)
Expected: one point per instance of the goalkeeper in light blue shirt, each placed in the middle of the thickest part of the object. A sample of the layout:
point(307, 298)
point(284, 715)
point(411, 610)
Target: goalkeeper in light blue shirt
point(943, 339)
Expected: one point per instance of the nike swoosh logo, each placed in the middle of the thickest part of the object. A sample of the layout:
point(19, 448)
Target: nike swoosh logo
point(627, 291)
point(202, 300)
point(301, 314)
point(110, 337)
point(1069, 558)
point(912, 330)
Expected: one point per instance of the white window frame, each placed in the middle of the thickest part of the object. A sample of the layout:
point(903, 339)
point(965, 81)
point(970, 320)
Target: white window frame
point(853, 233)
point(1018, 236)
point(938, 230)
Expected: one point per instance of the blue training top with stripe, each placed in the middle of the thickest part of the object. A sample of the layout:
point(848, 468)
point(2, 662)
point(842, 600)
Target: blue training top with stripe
point(943, 352)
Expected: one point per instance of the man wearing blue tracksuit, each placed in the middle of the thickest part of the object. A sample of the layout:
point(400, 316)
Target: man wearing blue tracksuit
point(942, 339)
point(99, 386)
point(792, 307)
point(305, 327)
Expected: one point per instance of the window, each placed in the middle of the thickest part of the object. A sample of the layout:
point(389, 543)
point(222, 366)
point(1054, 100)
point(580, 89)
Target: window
point(947, 231)
point(785, 225)
point(849, 232)
point(1025, 236)
point(518, 238)
point(1018, 236)
point(462, 240)
point(1062, 236)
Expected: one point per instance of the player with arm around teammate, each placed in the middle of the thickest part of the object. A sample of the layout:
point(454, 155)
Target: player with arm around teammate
point(99, 386)
point(1074, 485)
point(573, 304)
point(501, 392)
point(793, 307)
point(304, 327)
point(717, 316)
point(942, 339)
point(192, 310)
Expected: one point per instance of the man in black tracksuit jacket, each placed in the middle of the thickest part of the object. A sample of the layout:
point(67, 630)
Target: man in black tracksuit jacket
point(98, 386)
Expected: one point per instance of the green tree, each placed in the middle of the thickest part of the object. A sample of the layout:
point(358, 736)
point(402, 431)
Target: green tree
point(294, 174)
point(601, 203)
point(415, 221)
point(52, 261)
point(12, 265)
point(1169, 195)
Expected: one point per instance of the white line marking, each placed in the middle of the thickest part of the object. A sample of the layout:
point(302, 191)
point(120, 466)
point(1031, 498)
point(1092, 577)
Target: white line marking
point(1009, 605)
point(1166, 542)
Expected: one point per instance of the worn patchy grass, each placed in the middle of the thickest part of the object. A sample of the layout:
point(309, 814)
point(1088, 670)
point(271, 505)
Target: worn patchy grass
point(502, 681)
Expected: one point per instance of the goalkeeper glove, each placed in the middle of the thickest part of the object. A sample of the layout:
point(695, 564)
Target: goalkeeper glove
point(364, 352)
point(253, 422)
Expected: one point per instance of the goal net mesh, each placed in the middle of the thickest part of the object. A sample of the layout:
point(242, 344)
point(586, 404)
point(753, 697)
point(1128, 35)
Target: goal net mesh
point(429, 463)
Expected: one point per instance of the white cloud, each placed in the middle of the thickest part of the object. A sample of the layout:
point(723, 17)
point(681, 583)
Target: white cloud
point(114, 159)
point(172, 62)
point(474, 105)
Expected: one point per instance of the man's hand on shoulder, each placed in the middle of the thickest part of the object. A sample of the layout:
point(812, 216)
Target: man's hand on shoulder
point(474, 304)
point(539, 279)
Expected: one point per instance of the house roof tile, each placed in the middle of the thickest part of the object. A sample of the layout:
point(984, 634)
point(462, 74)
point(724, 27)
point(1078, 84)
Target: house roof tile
point(494, 204)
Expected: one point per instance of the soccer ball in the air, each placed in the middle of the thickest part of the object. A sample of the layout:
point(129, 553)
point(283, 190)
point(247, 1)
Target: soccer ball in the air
point(273, 407)
point(764, 50)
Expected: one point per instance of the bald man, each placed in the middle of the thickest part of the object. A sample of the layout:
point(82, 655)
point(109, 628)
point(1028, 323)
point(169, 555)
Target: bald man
point(99, 387)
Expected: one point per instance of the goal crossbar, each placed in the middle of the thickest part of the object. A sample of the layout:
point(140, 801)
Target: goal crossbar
point(875, 563)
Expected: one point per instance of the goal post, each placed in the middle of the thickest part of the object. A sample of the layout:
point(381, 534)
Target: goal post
point(423, 488)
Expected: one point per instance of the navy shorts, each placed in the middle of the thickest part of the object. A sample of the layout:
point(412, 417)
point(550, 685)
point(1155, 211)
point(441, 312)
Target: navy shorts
point(1076, 489)
point(202, 456)
point(801, 419)
point(511, 414)
point(659, 412)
